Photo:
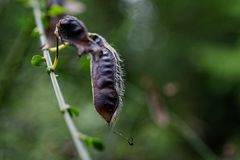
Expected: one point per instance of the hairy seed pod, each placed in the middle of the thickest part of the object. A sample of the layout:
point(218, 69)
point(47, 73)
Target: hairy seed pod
point(106, 72)
point(71, 29)
point(106, 80)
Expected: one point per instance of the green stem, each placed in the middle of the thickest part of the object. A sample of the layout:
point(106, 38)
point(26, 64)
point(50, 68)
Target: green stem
point(82, 152)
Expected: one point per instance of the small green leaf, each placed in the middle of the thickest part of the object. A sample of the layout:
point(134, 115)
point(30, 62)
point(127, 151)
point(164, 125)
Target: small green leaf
point(73, 111)
point(55, 10)
point(37, 60)
point(35, 32)
point(87, 140)
point(96, 143)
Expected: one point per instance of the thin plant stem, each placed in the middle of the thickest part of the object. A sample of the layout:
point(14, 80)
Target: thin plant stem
point(82, 151)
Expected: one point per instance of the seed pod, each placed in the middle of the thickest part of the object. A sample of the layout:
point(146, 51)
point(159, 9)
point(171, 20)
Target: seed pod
point(72, 30)
point(106, 72)
point(106, 80)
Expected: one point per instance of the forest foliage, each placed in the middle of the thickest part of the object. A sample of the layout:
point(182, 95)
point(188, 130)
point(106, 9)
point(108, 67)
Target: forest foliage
point(182, 76)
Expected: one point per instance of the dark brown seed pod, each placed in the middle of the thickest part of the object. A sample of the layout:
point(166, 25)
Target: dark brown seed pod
point(107, 80)
point(106, 72)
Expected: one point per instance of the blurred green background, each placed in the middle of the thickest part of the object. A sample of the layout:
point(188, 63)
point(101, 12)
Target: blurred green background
point(182, 76)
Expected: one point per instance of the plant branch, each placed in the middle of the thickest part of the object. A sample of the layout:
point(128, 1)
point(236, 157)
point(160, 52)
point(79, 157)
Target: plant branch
point(83, 153)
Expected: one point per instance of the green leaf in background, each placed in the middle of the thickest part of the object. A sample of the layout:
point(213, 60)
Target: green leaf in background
point(25, 2)
point(37, 60)
point(56, 10)
point(96, 143)
point(219, 61)
point(73, 111)
point(35, 32)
